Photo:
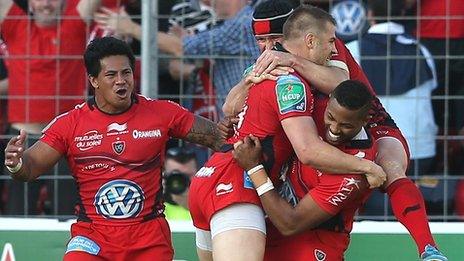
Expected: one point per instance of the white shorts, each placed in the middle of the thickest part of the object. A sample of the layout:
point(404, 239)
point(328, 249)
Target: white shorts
point(236, 216)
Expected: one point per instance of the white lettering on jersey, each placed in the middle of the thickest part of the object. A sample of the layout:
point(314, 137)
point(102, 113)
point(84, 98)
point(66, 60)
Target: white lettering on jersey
point(205, 172)
point(137, 134)
point(346, 188)
point(89, 140)
point(95, 166)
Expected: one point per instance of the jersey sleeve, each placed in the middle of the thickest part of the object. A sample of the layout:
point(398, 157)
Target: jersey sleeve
point(55, 133)
point(292, 97)
point(339, 59)
point(335, 192)
point(179, 119)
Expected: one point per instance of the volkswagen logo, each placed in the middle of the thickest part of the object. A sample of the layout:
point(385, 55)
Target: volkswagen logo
point(119, 199)
point(350, 17)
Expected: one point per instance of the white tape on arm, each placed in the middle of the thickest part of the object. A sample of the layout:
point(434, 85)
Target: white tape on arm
point(16, 168)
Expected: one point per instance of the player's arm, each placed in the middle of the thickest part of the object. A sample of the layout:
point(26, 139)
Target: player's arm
point(206, 133)
point(288, 219)
point(87, 8)
point(236, 98)
point(324, 78)
point(291, 220)
point(5, 6)
point(237, 95)
point(311, 150)
point(27, 165)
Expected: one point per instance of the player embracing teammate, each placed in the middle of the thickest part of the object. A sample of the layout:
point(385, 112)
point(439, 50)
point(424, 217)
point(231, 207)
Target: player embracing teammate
point(322, 61)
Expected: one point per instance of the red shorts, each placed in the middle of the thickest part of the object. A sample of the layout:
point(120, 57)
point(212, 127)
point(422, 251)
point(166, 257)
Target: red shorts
point(150, 240)
point(382, 131)
point(317, 244)
point(220, 183)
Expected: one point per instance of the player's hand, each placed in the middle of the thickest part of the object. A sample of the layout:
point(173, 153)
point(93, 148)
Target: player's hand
point(253, 78)
point(248, 153)
point(376, 176)
point(226, 127)
point(270, 60)
point(14, 149)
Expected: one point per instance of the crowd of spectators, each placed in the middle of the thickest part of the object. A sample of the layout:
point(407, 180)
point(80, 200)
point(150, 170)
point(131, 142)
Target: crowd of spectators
point(204, 47)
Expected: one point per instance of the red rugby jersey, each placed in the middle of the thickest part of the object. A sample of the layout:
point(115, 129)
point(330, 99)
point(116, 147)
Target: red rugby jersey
point(116, 160)
point(267, 104)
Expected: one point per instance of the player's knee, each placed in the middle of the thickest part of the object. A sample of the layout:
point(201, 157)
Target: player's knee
point(391, 179)
point(392, 158)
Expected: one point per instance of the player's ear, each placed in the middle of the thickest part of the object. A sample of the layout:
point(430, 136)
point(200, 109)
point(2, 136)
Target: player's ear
point(309, 40)
point(93, 81)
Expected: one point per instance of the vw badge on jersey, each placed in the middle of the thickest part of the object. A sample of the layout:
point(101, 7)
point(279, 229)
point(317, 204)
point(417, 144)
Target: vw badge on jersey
point(351, 19)
point(118, 147)
point(119, 199)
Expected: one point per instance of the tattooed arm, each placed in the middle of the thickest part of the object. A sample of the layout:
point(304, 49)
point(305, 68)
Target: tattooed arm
point(206, 133)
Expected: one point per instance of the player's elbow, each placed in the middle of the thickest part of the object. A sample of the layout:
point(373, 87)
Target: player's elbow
point(307, 156)
point(227, 109)
point(289, 226)
point(313, 154)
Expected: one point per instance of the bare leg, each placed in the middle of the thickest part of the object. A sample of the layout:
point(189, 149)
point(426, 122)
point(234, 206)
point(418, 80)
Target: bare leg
point(239, 244)
point(204, 255)
point(393, 159)
point(238, 233)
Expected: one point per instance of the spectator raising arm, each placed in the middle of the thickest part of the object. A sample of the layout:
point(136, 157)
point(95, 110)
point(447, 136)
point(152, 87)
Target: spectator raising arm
point(118, 22)
point(87, 8)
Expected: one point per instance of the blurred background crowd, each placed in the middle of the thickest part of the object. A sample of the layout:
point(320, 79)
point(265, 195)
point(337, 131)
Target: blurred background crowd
point(412, 52)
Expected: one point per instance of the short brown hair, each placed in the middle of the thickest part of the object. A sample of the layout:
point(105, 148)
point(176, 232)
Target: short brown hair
point(306, 18)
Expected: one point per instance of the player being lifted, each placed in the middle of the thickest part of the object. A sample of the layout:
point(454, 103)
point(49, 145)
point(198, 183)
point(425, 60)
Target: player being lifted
point(224, 206)
point(393, 151)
